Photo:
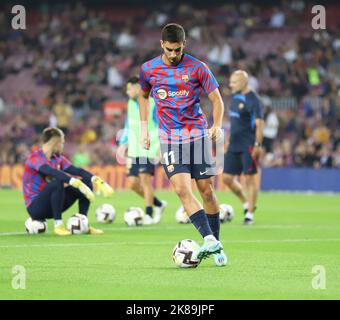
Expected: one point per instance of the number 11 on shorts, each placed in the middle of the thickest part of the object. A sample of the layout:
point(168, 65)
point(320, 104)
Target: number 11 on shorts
point(169, 156)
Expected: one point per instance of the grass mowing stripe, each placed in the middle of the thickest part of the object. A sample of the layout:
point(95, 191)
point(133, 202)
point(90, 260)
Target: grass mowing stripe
point(142, 243)
point(231, 226)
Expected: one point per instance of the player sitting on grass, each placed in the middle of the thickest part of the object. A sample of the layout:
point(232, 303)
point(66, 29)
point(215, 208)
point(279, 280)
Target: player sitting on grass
point(50, 188)
point(175, 80)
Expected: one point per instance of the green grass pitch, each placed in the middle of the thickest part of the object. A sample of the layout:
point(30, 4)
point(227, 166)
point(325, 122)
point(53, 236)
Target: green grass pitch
point(272, 259)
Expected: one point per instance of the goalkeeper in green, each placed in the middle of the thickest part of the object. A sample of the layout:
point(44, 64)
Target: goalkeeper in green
point(141, 162)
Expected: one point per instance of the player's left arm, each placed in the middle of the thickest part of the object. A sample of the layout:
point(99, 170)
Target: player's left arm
point(99, 185)
point(218, 109)
point(258, 138)
point(259, 123)
point(210, 85)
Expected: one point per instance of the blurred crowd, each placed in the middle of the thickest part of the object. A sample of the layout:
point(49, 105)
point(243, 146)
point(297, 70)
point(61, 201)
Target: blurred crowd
point(79, 57)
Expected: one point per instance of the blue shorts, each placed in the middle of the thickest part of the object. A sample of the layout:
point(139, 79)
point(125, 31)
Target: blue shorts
point(41, 206)
point(194, 158)
point(236, 163)
point(135, 166)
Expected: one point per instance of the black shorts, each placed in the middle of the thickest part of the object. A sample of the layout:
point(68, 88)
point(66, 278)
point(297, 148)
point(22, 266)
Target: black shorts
point(135, 166)
point(195, 158)
point(236, 163)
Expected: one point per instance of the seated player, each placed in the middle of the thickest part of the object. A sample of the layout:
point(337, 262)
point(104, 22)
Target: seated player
point(50, 187)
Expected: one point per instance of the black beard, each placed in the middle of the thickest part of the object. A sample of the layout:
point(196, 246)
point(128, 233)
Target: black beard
point(175, 62)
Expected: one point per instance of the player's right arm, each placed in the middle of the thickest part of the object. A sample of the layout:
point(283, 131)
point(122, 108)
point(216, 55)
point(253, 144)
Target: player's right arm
point(259, 123)
point(218, 109)
point(124, 139)
point(143, 101)
point(47, 170)
point(123, 142)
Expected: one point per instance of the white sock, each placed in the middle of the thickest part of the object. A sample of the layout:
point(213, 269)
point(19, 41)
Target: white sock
point(250, 215)
point(209, 238)
point(58, 223)
point(246, 205)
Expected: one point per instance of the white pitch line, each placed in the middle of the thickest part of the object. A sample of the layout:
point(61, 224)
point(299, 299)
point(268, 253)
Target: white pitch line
point(5, 234)
point(231, 226)
point(144, 243)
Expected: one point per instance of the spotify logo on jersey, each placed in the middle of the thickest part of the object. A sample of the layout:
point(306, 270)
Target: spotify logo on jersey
point(162, 94)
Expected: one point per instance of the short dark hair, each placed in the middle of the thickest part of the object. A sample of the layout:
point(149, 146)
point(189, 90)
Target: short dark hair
point(50, 133)
point(173, 32)
point(133, 80)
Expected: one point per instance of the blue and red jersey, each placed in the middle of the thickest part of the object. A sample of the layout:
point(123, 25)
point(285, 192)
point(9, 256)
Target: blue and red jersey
point(33, 180)
point(176, 91)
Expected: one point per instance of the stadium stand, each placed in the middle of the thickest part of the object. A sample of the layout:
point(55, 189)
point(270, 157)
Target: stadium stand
point(70, 66)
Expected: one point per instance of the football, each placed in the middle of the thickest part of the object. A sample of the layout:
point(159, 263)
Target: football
point(181, 216)
point(78, 224)
point(226, 213)
point(35, 226)
point(183, 254)
point(105, 213)
point(134, 216)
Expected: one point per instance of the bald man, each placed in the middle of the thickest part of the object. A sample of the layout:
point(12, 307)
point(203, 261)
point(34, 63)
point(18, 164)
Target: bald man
point(243, 146)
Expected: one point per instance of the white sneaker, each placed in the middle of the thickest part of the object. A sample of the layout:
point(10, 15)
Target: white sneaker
point(248, 219)
point(147, 220)
point(210, 246)
point(220, 259)
point(158, 212)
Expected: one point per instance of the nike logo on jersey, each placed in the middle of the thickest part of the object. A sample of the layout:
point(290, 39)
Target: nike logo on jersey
point(202, 173)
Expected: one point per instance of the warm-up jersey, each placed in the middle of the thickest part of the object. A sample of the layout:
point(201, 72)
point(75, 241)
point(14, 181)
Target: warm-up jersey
point(33, 180)
point(244, 109)
point(132, 129)
point(176, 91)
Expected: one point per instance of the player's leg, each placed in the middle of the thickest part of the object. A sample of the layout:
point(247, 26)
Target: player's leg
point(146, 182)
point(133, 180)
point(203, 172)
point(233, 168)
point(250, 170)
point(134, 166)
point(133, 183)
point(146, 172)
point(178, 169)
point(73, 195)
point(252, 196)
point(49, 204)
point(181, 183)
point(234, 186)
point(210, 204)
